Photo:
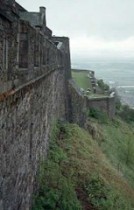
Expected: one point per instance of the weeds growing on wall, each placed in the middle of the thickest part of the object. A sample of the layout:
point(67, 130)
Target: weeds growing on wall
point(99, 115)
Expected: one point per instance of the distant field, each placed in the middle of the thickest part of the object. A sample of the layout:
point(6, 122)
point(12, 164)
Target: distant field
point(81, 78)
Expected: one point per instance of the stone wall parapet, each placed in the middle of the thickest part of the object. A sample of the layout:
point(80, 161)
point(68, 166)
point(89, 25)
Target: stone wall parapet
point(80, 104)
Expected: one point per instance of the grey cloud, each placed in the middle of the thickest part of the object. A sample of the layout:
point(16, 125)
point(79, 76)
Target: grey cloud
point(106, 20)
point(111, 19)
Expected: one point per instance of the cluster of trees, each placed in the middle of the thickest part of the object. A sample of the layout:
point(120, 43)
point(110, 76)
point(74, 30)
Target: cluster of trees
point(124, 111)
point(102, 85)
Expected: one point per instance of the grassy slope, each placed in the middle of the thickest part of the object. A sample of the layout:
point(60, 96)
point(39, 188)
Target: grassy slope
point(81, 79)
point(118, 144)
point(82, 173)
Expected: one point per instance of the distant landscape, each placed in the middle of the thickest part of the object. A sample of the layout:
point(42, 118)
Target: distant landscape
point(118, 74)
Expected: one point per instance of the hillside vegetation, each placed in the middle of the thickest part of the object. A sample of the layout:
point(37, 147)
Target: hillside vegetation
point(91, 169)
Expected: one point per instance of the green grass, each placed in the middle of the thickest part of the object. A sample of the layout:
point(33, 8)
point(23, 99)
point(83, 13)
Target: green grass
point(118, 144)
point(81, 79)
point(82, 170)
point(116, 139)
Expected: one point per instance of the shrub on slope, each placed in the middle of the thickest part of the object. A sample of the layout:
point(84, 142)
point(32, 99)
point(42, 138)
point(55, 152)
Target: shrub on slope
point(77, 175)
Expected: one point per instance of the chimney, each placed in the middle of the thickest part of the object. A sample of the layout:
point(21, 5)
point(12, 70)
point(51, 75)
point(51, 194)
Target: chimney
point(43, 15)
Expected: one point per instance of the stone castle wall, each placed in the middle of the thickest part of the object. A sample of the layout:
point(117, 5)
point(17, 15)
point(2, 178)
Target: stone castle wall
point(35, 91)
point(104, 104)
point(26, 116)
point(27, 48)
point(80, 104)
point(34, 69)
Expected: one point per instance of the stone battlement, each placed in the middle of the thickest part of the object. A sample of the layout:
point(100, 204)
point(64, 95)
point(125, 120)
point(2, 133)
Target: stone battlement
point(34, 72)
point(27, 47)
point(36, 90)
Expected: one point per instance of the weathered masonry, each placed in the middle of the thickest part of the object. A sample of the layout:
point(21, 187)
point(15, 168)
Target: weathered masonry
point(35, 90)
point(34, 70)
point(27, 48)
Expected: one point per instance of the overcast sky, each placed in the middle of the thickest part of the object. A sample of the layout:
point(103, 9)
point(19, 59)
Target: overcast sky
point(97, 28)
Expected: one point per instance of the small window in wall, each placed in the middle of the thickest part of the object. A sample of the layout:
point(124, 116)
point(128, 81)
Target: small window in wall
point(23, 50)
point(44, 55)
point(36, 50)
point(5, 54)
point(48, 56)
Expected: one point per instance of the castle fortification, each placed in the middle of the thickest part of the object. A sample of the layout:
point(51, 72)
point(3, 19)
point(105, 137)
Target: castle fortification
point(34, 69)
point(34, 93)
